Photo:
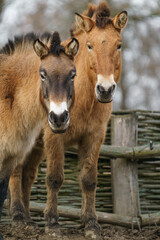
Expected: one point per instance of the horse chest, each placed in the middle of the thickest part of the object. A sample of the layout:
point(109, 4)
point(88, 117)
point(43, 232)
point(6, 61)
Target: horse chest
point(85, 123)
point(18, 143)
point(28, 142)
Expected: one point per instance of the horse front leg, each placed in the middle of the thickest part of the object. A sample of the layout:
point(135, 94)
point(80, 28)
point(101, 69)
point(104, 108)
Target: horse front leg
point(3, 194)
point(88, 156)
point(54, 151)
point(17, 210)
point(29, 173)
point(21, 182)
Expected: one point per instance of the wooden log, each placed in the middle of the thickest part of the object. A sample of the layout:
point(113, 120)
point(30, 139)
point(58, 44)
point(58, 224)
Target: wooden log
point(109, 218)
point(74, 213)
point(124, 173)
point(133, 153)
point(150, 219)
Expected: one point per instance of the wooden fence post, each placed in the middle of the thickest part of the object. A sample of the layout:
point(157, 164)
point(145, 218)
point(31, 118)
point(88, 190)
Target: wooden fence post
point(124, 171)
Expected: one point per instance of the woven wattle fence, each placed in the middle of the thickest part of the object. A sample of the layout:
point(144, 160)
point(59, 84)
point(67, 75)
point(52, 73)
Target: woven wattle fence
point(146, 153)
point(149, 168)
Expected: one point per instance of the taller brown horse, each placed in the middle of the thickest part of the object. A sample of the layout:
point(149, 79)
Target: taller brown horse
point(98, 67)
point(31, 88)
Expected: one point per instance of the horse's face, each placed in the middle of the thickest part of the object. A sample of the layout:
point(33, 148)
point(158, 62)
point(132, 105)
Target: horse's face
point(57, 73)
point(104, 53)
point(103, 46)
point(57, 76)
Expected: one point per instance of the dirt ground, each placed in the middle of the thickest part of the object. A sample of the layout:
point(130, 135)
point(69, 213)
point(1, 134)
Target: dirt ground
point(109, 232)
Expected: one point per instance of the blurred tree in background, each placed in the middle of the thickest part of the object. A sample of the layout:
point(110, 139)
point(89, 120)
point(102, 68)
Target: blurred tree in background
point(140, 85)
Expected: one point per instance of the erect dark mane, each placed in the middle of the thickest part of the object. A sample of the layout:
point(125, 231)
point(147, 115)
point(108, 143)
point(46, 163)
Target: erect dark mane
point(22, 41)
point(100, 14)
point(55, 45)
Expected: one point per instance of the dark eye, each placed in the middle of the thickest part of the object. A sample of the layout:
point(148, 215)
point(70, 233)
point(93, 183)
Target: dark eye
point(89, 46)
point(73, 76)
point(119, 46)
point(42, 76)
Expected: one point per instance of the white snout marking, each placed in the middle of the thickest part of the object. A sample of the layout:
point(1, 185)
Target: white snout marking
point(58, 108)
point(106, 82)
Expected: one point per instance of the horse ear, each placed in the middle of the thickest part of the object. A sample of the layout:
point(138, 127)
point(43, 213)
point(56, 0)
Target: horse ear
point(84, 22)
point(40, 49)
point(120, 20)
point(72, 47)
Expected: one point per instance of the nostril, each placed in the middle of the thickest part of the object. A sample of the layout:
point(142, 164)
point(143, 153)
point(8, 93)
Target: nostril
point(65, 116)
point(51, 116)
point(114, 86)
point(111, 89)
point(100, 89)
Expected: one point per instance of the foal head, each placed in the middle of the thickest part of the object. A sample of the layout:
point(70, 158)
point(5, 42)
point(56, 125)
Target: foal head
point(57, 73)
point(102, 43)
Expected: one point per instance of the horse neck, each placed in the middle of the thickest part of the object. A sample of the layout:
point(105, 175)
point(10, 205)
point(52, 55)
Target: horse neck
point(29, 86)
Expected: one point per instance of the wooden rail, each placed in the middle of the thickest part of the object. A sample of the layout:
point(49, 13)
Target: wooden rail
point(132, 153)
point(109, 218)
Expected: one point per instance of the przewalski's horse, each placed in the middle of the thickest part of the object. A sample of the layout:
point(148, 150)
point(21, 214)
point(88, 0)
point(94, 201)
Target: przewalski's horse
point(98, 65)
point(32, 87)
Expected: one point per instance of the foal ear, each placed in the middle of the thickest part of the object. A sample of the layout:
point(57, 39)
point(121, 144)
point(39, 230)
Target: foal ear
point(72, 48)
point(120, 20)
point(84, 22)
point(40, 49)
